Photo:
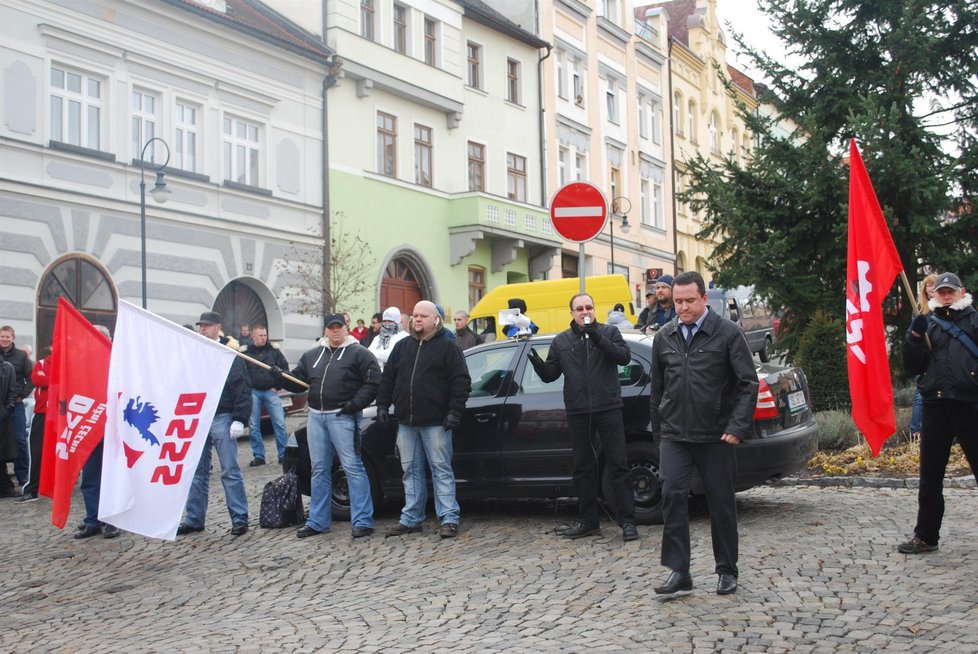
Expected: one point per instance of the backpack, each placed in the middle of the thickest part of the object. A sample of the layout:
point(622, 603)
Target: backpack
point(281, 503)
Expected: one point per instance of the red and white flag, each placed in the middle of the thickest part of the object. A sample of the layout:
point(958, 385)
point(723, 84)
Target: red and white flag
point(164, 386)
point(873, 264)
point(78, 372)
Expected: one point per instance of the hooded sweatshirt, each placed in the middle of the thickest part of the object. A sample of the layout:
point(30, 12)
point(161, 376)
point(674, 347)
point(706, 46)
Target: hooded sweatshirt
point(347, 374)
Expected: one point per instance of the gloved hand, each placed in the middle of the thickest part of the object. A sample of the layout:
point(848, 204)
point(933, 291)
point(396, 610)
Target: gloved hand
point(348, 408)
point(452, 420)
point(591, 329)
point(237, 430)
point(384, 418)
point(919, 325)
point(276, 372)
point(534, 356)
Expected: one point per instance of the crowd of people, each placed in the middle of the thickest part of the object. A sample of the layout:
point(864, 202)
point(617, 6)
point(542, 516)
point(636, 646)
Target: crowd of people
point(413, 368)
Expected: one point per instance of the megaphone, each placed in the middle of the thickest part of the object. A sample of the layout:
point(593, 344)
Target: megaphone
point(515, 317)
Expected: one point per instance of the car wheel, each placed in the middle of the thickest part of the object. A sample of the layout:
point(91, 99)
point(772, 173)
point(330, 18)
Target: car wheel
point(764, 355)
point(643, 463)
point(341, 491)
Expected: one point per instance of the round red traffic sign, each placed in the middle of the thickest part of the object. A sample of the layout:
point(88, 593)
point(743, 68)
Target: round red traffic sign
point(578, 211)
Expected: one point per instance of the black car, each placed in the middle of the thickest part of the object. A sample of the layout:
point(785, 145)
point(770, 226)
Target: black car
point(513, 440)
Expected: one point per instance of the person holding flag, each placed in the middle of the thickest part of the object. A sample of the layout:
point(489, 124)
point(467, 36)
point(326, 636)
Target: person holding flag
point(946, 368)
point(233, 411)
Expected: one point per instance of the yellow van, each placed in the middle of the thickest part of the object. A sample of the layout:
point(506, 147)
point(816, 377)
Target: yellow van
point(548, 303)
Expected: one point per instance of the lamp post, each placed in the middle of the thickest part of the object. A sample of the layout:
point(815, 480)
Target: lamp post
point(160, 194)
point(619, 209)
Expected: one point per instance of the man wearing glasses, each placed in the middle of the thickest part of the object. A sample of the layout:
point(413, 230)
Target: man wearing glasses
point(588, 355)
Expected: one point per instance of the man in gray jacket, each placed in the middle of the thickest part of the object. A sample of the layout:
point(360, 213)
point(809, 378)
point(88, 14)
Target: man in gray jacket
point(704, 389)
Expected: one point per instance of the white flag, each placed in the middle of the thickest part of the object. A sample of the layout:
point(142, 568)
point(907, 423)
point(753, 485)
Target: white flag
point(165, 383)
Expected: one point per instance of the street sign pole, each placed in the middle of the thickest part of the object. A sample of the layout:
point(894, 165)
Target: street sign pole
point(580, 267)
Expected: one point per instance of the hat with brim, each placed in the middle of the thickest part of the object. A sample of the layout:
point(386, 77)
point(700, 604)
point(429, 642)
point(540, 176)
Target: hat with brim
point(947, 280)
point(335, 319)
point(209, 318)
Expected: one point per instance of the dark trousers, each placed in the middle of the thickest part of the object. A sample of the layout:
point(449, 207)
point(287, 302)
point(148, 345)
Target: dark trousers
point(19, 425)
point(611, 443)
point(91, 486)
point(36, 443)
point(716, 464)
point(943, 422)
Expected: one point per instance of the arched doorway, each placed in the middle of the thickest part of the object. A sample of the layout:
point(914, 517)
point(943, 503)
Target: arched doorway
point(239, 305)
point(81, 281)
point(401, 286)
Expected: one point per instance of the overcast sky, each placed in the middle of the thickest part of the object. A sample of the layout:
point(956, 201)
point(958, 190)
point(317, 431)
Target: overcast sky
point(746, 18)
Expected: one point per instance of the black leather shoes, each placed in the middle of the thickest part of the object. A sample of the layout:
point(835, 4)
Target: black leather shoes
point(239, 530)
point(401, 529)
point(726, 585)
point(360, 531)
point(307, 531)
point(628, 531)
point(185, 529)
point(111, 531)
point(580, 530)
point(87, 532)
point(676, 582)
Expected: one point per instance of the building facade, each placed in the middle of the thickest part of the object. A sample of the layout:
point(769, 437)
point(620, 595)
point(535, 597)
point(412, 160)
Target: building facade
point(223, 96)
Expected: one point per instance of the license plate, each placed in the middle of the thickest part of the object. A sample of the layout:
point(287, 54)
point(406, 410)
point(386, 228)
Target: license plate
point(796, 401)
point(286, 401)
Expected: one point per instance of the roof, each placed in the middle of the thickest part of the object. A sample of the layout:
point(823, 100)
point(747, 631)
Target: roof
point(482, 13)
point(256, 19)
point(742, 80)
point(679, 13)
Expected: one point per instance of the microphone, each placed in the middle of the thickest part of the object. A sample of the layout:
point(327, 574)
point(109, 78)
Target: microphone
point(587, 321)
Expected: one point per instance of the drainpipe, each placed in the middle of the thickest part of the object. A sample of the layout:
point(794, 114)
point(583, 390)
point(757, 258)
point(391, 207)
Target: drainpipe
point(543, 128)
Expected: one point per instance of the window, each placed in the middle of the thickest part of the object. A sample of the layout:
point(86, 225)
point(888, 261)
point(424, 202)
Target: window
point(578, 84)
point(692, 121)
point(367, 16)
point(643, 128)
point(680, 205)
point(475, 65)
point(515, 177)
point(477, 167)
point(645, 201)
point(400, 28)
point(734, 140)
point(655, 115)
point(714, 133)
point(82, 282)
point(562, 155)
point(241, 148)
point(657, 205)
point(430, 43)
point(614, 182)
point(743, 148)
point(611, 97)
point(580, 166)
point(144, 119)
point(561, 73)
point(477, 285)
point(513, 81)
point(386, 144)
point(422, 155)
point(185, 137)
point(677, 113)
point(76, 108)
point(609, 9)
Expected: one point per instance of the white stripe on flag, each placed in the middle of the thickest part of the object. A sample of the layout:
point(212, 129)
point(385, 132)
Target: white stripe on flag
point(165, 383)
point(578, 212)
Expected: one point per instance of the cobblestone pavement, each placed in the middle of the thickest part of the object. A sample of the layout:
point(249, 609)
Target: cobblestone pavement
point(819, 573)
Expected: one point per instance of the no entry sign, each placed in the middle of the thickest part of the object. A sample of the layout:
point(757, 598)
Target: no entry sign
point(578, 211)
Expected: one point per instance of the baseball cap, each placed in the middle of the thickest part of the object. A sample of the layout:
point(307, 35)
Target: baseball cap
point(209, 318)
point(393, 314)
point(947, 280)
point(335, 319)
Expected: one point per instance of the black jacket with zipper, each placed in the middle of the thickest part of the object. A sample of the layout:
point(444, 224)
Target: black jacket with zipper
point(425, 380)
point(347, 374)
point(948, 371)
point(236, 396)
point(705, 391)
point(262, 379)
point(589, 366)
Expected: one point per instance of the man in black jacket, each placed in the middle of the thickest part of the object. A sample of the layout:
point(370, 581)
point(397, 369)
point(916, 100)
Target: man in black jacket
point(233, 410)
point(342, 377)
point(588, 355)
point(264, 393)
point(23, 387)
point(427, 381)
point(948, 383)
point(704, 389)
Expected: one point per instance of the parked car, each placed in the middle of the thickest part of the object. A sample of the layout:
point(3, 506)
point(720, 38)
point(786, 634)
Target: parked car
point(750, 312)
point(513, 440)
point(292, 403)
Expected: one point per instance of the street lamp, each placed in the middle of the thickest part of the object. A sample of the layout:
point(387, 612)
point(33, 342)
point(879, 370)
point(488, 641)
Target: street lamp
point(160, 194)
point(619, 209)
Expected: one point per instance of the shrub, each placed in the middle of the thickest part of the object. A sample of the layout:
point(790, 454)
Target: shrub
point(903, 395)
point(822, 355)
point(836, 430)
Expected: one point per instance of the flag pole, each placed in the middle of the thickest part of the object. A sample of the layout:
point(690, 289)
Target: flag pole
point(913, 303)
point(261, 364)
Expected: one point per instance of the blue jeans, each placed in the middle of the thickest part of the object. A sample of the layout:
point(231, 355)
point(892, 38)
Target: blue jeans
point(418, 445)
point(916, 413)
point(18, 423)
point(275, 411)
point(91, 485)
point(327, 433)
point(234, 491)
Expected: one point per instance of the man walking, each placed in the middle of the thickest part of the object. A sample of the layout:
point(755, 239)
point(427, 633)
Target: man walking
point(427, 381)
point(233, 409)
point(264, 392)
point(464, 336)
point(704, 389)
point(343, 377)
point(588, 355)
point(946, 369)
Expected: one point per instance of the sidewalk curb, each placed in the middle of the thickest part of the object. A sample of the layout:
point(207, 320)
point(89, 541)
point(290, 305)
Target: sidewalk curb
point(966, 482)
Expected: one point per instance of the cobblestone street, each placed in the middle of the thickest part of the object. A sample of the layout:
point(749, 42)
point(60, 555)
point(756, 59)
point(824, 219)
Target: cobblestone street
point(819, 573)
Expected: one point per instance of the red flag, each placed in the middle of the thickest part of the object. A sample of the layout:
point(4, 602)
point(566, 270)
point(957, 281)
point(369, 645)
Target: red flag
point(75, 421)
point(872, 266)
